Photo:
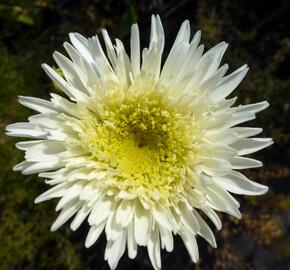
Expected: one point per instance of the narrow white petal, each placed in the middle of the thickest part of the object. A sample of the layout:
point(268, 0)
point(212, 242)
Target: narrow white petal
point(71, 194)
point(174, 63)
point(255, 107)
point(27, 144)
point(215, 166)
point(115, 250)
point(80, 217)
point(205, 230)
point(210, 83)
point(66, 213)
point(54, 192)
point(213, 217)
point(26, 130)
point(240, 163)
point(237, 183)
point(142, 225)
point(191, 245)
point(213, 57)
point(188, 219)
point(228, 198)
point(240, 117)
point(110, 48)
point(125, 212)
point(81, 44)
point(37, 104)
point(166, 239)
point(228, 84)
point(113, 229)
point(131, 243)
point(72, 76)
point(58, 80)
point(244, 132)
point(47, 165)
point(94, 233)
point(162, 216)
point(250, 145)
point(220, 203)
point(100, 211)
point(101, 60)
point(153, 248)
point(221, 137)
point(183, 34)
point(135, 49)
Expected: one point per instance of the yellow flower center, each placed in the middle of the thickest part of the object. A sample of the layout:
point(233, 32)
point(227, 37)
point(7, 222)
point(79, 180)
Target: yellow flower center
point(145, 143)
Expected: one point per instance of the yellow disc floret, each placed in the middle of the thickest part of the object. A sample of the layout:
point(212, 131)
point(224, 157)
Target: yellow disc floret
point(143, 140)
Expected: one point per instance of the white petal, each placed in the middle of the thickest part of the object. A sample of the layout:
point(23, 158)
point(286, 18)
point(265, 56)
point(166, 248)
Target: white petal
point(205, 230)
point(123, 66)
point(174, 63)
point(131, 243)
point(80, 217)
point(110, 48)
point(100, 211)
point(94, 233)
point(183, 34)
point(214, 55)
point(244, 132)
point(162, 216)
point(100, 58)
point(142, 225)
point(49, 121)
point(126, 195)
point(210, 83)
point(166, 239)
point(188, 219)
point(88, 72)
point(71, 194)
point(228, 84)
point(66, 213)
point(81, 44)
point(46, 150)
point(240, 117)
point(71, 75)
point(153, 248)
point(26, 130)
point(220, 203)
point(115, 250)
point(240, 163)
point(135, 49)
point(247, 146)
point(89, 192)
point(221, 137)
point(215, 166)
point(113, 229)
point(58, 80)
point(192, 64)
point(213, 217)
point(27, 144)
point(191, 245)
point(125, 213)
point(37, 104)
point(237, 183)
point(54, 192)
point(255, 107)
point(228, 198)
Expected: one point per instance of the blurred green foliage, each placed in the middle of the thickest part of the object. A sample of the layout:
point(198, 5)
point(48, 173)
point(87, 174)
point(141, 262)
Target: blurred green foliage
point(258, 33)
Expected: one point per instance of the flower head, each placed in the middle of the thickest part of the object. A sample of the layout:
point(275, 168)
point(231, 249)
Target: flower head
point(139, 149)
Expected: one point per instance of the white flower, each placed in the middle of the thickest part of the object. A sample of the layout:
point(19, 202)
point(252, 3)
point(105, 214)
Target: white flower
point(139, 150)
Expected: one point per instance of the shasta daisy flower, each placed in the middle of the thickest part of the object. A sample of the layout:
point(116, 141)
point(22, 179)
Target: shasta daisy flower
point(140, 149)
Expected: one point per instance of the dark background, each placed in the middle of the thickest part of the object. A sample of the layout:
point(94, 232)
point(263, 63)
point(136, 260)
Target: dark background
point(258, 33)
